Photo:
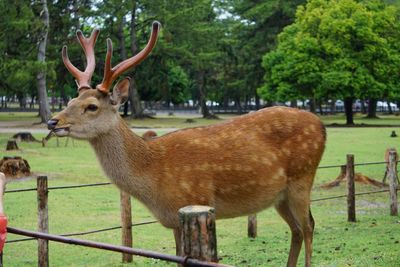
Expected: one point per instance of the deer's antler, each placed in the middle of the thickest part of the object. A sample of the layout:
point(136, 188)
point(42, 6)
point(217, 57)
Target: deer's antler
point(83, 78)
point(110, 74)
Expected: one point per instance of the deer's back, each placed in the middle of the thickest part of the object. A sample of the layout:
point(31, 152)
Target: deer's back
point(240, 166)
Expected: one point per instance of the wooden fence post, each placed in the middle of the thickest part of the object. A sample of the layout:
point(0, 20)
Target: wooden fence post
point(351, 200)
point(392, 177)
point(252, 226)
point(43, 221)
point(198, 237)
point(126, 224)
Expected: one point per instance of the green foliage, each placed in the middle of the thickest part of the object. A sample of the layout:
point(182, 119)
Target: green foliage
point(213, 49)
point(207, 49)
point(336, 49)
point(178, 84)
point(18, 36)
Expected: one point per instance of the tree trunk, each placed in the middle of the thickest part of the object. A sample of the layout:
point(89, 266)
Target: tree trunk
point(134, 97)
point(363, 107)
point(137, 110)
point(372, 108)
point(390, 110)
point(44, 109)
point(122, 50)
point(321, 111)
point(238, 105)
point(312, 105)
point(257, 100)
point(203, 99)
point(348, 109)
point(333, 106)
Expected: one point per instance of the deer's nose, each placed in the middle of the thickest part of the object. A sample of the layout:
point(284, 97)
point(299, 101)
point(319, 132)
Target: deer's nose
point(51, 124)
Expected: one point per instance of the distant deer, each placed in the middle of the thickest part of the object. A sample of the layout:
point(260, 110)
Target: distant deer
point(239, 167)
point(149, 135)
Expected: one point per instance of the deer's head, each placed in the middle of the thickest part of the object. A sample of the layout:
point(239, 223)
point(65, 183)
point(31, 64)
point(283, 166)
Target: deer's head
point(95, 111)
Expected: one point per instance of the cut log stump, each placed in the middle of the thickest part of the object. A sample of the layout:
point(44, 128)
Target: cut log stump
point(15, 167)
point(12, 145)
point(198, 238)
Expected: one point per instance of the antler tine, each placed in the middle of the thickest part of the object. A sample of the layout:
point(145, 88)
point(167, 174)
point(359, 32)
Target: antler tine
point(110, 74)
point(83, 78)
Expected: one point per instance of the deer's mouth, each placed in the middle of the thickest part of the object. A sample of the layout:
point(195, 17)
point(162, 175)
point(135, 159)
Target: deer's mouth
point(60, 132)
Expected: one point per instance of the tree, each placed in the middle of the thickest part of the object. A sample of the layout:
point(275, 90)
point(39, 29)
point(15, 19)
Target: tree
point(44, 109)
point(18, 38)
point(336, 49)
point(259, 24)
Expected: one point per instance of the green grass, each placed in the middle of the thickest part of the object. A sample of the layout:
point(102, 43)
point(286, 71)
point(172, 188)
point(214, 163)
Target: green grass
point(382, 119)
point(373, 241)
point(19, 116)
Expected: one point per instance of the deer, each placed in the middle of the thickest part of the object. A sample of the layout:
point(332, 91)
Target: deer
point(149, 135)
point(240, 166)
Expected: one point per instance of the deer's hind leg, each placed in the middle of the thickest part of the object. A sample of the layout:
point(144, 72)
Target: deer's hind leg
point(295, 210)
point(297, 236)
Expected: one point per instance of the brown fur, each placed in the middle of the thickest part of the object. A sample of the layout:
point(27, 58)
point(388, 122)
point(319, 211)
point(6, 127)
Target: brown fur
point(239, 167)
point(149, 135)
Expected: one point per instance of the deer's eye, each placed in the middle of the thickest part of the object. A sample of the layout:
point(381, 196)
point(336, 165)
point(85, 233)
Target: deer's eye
point(91, 107)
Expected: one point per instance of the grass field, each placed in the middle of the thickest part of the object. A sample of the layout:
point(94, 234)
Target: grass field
point(373, 241)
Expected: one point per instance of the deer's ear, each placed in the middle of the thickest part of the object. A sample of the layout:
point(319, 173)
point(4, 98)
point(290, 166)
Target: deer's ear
point(120, 92)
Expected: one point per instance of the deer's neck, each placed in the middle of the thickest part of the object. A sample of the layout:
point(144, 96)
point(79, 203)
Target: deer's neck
point(124, 157)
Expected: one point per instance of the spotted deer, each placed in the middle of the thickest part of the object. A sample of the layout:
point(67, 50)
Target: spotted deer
point(148, 135)
point(240, 166)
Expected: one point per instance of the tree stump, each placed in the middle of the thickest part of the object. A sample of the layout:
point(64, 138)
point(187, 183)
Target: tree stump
point(359, 177)
point(198, 237)
point(12, 145)
point(15, 167)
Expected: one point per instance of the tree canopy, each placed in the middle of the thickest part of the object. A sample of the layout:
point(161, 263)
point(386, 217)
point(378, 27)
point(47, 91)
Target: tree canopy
point(339, 49)
point(218, 50)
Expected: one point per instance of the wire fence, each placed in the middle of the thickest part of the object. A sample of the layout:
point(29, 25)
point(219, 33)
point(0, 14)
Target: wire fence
point(356, 194)
point(64, 238)
point(108, 183)
point(152, 222)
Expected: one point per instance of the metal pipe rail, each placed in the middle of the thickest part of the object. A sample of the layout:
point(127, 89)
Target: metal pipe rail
point(185, 261)
point(84, 233)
